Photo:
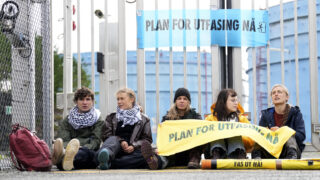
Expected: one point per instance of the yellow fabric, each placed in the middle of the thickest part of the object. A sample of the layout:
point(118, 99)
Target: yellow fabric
point(247, 142)
point(177, 136)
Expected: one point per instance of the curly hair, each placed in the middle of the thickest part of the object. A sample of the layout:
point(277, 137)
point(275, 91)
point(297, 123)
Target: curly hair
point(82, 93)
point(220, 109)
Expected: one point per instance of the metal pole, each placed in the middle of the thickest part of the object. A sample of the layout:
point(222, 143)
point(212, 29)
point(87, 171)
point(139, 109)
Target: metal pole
point(78, 44)
point(199, 66)
point(47, 71)
point(92, 47)
point(237, 64)
point(184, 50)
point(122, 43)
point(268, 64)
point(105, 76)
point(215, 61)
point(140, 66)
point(157, 70)
point(282, 41)
point(171, 56)
point(67, 63)
point(30, 30)
point(51, 79)
point(226, 45)
point(313, 71)
point(254, 73)
point(296, 51)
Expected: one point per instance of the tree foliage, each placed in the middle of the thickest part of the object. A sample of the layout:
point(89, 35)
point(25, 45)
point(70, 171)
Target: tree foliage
point(5, 58)
point(58, 74)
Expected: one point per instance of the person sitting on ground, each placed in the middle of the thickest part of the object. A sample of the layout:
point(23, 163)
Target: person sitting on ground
point(282, 114)
point(79, 133)
point(181, 110)
point(127, 137)
point(227, 108)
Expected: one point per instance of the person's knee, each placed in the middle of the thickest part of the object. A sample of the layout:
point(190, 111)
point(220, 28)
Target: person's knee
point(82, 154)
point(291, 143)
point(112, 139)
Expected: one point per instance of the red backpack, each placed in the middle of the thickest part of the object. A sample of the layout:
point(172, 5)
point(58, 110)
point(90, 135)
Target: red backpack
point(28, 152)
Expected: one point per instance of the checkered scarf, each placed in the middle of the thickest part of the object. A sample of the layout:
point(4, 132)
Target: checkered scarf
point(130, 116)
point(81, 120)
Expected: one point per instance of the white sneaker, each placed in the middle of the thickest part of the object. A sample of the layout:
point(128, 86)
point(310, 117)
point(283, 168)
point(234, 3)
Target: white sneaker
point(71, 151)
point(58, 151)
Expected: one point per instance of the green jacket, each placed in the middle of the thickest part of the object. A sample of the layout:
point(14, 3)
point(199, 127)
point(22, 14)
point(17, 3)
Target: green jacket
point(89, 137)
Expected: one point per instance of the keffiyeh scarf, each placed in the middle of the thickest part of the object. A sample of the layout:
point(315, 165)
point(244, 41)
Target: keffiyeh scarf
point(130, 116)
point(81, 120)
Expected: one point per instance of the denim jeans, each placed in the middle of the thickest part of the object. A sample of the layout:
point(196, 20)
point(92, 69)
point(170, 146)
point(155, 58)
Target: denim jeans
point(228, 145)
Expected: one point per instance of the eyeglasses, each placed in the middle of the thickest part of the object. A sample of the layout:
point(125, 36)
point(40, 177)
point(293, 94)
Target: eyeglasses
point(234, 100)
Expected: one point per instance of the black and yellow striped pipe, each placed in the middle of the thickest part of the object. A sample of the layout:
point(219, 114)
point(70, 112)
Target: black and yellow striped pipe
point(285, 164)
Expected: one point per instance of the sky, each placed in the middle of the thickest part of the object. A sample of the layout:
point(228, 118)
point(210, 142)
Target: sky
point(85, 13)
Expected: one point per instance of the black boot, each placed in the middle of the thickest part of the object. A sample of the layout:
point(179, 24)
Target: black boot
point(218, 153)
point(292, 153)
point(195, 157)
point(238, 154)
point(256, 154)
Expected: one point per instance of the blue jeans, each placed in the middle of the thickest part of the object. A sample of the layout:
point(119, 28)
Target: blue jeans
point(228, 145)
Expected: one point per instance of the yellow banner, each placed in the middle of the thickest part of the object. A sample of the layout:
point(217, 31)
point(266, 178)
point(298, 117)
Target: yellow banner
point(285, 164)
point(180, 135)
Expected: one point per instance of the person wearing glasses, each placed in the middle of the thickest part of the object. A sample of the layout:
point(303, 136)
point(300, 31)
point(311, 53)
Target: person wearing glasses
point(227, 108)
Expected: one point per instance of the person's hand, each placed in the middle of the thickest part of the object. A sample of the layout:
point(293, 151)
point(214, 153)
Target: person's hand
point(129, 150)
point(124, 145)
point(126, 148)
point(274, 128)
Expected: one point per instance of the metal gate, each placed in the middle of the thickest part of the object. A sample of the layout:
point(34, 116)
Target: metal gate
point(25, 70)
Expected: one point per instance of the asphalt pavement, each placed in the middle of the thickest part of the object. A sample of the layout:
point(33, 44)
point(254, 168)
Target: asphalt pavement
point(168, 174)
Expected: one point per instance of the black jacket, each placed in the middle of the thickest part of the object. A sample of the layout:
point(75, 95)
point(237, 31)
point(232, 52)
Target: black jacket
point(192, 114)
point(141, 130)
point(295, 121)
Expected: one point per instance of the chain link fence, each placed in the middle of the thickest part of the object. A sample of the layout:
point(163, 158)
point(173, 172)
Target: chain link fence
point(25, 70)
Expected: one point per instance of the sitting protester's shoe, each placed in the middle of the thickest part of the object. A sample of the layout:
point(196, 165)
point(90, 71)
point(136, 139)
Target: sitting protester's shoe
point(292, 154)
point(71, 151)
point(103, 159)
point(195, 157)
point(58, 151)
point(256, 154)
point(217, 153)
point(238, 154)
point(149, 155)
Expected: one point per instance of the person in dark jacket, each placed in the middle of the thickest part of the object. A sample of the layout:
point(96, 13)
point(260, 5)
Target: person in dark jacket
point(282, 114)
point(127, 137)
point(79, 133)
point(180, 110)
